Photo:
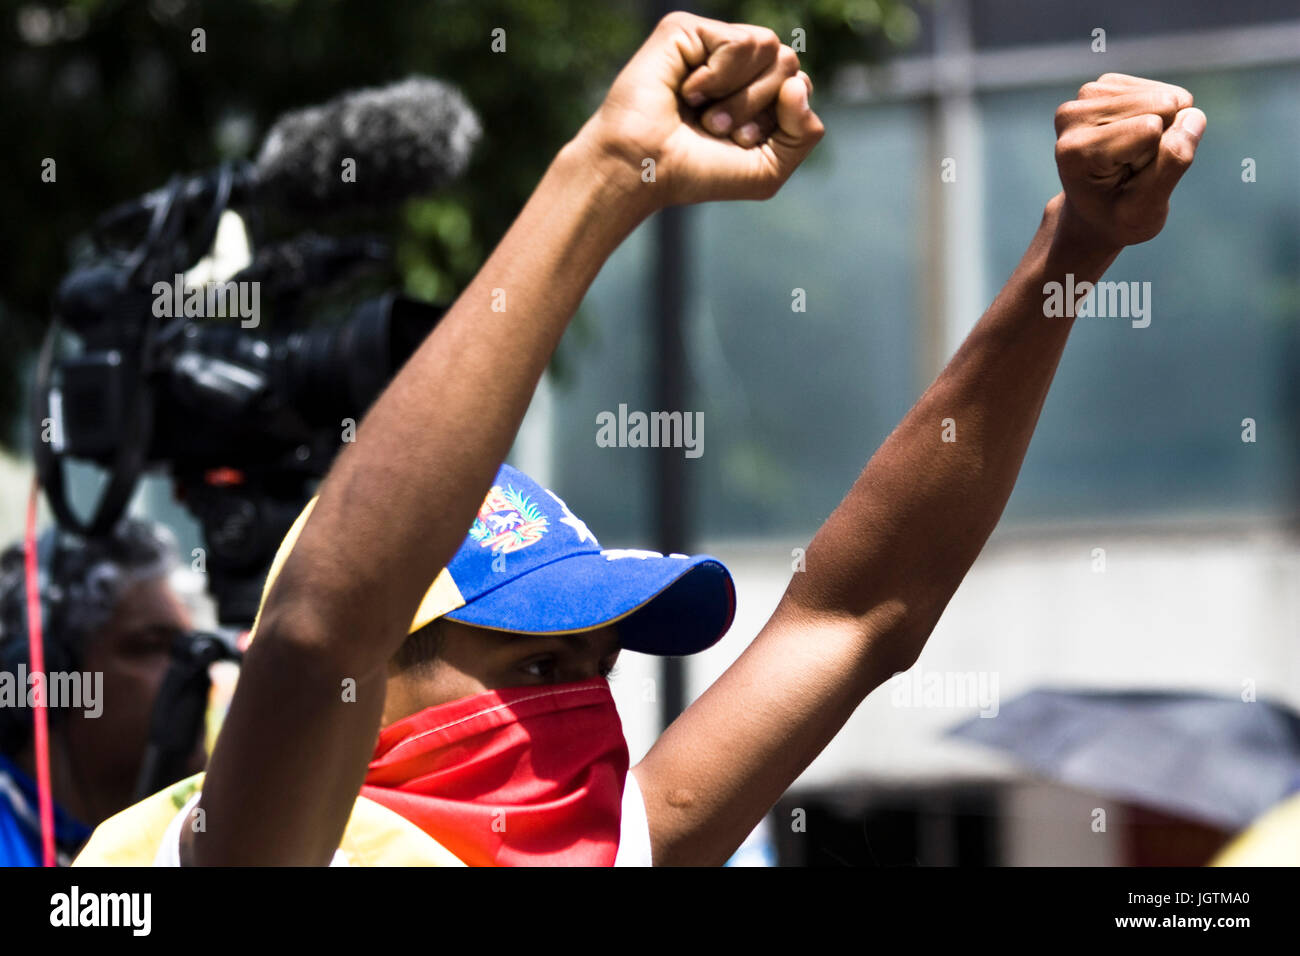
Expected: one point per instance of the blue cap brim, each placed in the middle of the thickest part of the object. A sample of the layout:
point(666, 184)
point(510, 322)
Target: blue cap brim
point(670, 606)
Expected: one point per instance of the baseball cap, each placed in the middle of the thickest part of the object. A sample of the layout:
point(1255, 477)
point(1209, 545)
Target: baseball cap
point(529, 564)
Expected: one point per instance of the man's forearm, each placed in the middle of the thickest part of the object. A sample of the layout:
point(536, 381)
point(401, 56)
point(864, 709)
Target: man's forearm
point(403, 494)
point(895, 550)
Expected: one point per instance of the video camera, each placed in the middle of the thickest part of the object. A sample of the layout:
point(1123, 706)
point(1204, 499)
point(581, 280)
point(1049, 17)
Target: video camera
point(163, 373)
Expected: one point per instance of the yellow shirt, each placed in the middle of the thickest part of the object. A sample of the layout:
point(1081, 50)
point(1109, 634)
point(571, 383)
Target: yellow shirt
point(374, 836)
point(1272, 840)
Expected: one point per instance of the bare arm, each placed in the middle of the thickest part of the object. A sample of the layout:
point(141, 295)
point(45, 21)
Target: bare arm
point(884, 565)
point(292, 755)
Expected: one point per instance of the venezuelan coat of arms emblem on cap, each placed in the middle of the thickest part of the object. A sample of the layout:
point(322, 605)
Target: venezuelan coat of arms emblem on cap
point(507, 521)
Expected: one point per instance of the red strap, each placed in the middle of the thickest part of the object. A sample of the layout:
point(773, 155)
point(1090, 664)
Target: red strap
point(44, 794)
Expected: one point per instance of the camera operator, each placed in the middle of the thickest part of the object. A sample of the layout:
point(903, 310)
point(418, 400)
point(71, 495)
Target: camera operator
point(110, 617)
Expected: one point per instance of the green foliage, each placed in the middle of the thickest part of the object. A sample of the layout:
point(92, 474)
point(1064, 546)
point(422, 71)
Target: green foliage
point(113, 92)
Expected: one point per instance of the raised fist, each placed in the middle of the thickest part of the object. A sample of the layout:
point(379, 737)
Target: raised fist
point(1121, 147)
point(721, 111)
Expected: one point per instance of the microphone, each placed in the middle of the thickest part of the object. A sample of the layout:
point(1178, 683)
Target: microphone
point(406, 139)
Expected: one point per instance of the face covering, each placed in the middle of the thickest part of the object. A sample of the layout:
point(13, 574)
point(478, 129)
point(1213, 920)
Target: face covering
point(524, 776)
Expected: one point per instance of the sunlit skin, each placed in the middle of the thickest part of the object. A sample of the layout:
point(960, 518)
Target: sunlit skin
point(472, 660)
point(94, 761)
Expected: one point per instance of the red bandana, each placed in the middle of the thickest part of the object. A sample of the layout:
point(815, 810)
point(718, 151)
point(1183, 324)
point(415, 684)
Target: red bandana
point(526, 776)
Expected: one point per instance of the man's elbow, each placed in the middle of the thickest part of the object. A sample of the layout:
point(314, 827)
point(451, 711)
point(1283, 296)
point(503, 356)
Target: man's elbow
point(892, 633)
point(881, 634)
point(307, 635)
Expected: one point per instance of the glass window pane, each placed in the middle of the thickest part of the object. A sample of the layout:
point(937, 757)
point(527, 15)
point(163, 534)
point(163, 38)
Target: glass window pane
point(1149, 420)
point(795, 402)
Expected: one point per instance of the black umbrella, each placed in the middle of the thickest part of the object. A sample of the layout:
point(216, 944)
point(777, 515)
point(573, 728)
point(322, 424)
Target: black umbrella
point(1218, 760)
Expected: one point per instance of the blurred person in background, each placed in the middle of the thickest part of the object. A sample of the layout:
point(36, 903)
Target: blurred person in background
point(109, 615)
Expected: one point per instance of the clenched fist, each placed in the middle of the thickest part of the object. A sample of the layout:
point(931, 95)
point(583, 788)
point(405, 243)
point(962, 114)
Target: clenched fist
point(720, 109)
point(1121, 147)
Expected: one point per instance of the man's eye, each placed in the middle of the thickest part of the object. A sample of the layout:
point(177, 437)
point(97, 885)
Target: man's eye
point(543, 668)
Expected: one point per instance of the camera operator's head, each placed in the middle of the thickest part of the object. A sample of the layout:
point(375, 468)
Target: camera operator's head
point(109, 620)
